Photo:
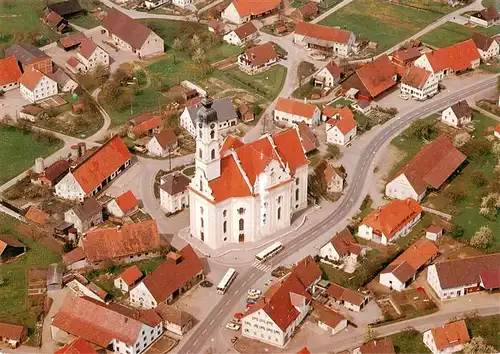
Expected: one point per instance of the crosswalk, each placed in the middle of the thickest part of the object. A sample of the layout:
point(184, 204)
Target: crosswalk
point(261, 266)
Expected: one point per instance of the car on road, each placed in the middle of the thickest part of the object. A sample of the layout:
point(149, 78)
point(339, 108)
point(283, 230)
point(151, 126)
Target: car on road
point(233, 326)
point(251, 301)
point(404, 97)
point(238, 315)
point(267, 283)
point(253, 292)
point(254, 297)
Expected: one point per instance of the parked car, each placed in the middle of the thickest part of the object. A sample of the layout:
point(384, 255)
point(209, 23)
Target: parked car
point(238, 315)
point(252, 292)
point(233, 326)
point(404, 97)
point(251, 301)
point(267, 283)
point(254, 297)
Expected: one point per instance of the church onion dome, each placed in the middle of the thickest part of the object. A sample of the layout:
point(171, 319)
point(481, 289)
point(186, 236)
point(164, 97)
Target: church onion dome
point(206, 114)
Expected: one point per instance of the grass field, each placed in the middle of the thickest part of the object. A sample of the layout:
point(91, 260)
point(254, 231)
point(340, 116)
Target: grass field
point(14, 291)
point(225, 50)
point(451, 33)
point(487, 327)
point(410, 341)
point(18, 150)
point(382, 22)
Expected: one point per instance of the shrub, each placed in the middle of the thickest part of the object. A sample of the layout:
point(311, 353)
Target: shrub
point(482, 238)
point(479, 178)
point(457, 231)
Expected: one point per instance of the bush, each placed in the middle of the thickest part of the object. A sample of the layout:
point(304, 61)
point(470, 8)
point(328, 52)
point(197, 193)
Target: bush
point(333, 152)
point(457, 231)
point(475, 149)
point(455, 193)
point(479, 178)
point(421, 129)
point(482, 238)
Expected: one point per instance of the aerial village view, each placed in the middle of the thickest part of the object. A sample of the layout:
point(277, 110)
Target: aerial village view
point(249, 176)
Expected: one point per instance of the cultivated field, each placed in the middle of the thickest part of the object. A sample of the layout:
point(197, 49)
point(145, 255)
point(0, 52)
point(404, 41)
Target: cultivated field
point(451, 33)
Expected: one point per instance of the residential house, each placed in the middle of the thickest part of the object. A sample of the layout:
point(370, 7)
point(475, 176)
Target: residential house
point(128, 278)
point(56, 23)
point(289, 112)
point(83, 288)
point(265, 320)
point(460, 277)
point(457, 115)
point(91, 55)
point(77, 346)
point(131, 35)
point(12, 334)
point(71, 41)
point(163, 144)
point(75, 259)
point(179, 273)
point(309, 141)
point(429, 168)
point(94, 170)
point(122, 244)
point(182, 3)
point(337, 41)
point(342, 246)
point(328, 76)
point(113, 326)
point(241, 11)
point(258, 59)
point(174, 195)
point(305, 12)
point(390, 221)
point(362, 106)
point(419, 83)
point(403, 269)
point(308, 272)
point(406, 57)
point(52, 174)
point(242, 34)
point(145, 124)
point(30, 57)
point(373, 79)
point(456, 58)
point(174, 320)
point(10, 247)
point(10, 73)
point(334, 179)
point(75, 66)
point(246, 113)
point(64, 82)
point(123, 205)
point(327, 319)
point(486, 17)
point(31, 112)
point(35, 86)
point(341, 128)
point(227, 118)
point(66, 8)
point(348, 298)
point(434, 232)
point(376, 346)
point(151, 4)
point(487, 46)
point(85, 216)
point(217, 27)
point(450, 338)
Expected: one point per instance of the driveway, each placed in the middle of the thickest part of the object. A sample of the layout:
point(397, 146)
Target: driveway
point(11, 103)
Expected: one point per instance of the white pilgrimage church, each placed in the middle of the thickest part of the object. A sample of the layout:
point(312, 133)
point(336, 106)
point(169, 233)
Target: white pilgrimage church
point(244, 192)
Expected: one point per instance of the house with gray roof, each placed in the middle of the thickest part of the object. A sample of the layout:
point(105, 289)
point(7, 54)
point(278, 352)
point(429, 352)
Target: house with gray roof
point(85, 215)
point(173, 192)
point(226, 115)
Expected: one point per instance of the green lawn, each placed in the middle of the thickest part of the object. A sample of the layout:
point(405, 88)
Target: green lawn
point(18, 150)
point(267, 84)
point(341, 102)
point(451, 33)
point(491, 3)
point(487, 327)
point(410, 341)
point(382, 22)
point(225, 50)
point(435, 6)
point(87, 21)
point(14, 291)
point(170, 30)
point(306, 90)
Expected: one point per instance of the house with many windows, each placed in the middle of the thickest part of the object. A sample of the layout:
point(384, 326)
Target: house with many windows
point(35, 86)
point(241, 11)
point(419, 83)
point(339, 42)
point(174, 194)
point(341, 127)
point(258, 59)
point(290, 112)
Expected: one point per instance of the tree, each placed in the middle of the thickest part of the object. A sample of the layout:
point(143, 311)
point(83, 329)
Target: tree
point(478, 346)
point(198, 56)
point(368, 333)
point(177, 45)
point(457, 231)
point(490, 204)
point(195, 42)
point(479, 178)
point(333, 152)
point(482, 238)
point(421, 129)
point(475, 149)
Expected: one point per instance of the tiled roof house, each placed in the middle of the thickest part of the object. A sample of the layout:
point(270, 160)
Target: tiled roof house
point(289, 111)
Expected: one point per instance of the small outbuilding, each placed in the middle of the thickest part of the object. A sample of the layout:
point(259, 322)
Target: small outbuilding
point(128, 278)
point(434, 232)
point(13, 335)
point(54, 277)
point(10, 247)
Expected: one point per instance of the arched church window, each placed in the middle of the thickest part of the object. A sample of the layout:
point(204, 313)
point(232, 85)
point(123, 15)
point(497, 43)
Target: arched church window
point(279, 213)
point(200, 153)
point(212, 134)
point(241, 211)
point(212, 154)
point(224, 227)
point(242, 224)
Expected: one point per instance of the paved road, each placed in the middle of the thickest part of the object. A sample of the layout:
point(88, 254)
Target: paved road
point(351, 199)
point(331, 11)
point(140, 14)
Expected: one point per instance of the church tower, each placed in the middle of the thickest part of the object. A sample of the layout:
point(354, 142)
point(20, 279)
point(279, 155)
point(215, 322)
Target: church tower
point(207, 140)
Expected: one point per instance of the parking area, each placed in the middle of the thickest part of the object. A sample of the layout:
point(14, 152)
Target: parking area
point(11, 103)
point(162, 345)
point(371, 313)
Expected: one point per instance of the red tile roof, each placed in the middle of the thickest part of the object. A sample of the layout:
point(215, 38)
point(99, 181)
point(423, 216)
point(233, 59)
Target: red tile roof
point(391, 217)
point(127, 29)
point(288, 146)
point(433, 164)
point(299, 108)
point(37, 215)
point(166, 138)
point(339, 293)
point(255, 7)
point(30, 78)
point(127, 201)
point(172, 274)
point(309, 141)
point(406, 55)
point(231, 142)
point(131, 275)
point(87, 48)
point(378, 75)
point(322, 32)
point(345, 123)
point(378, 346)
point(326, 315)
point(72, 40)
point(307, 271)
point(99, 164)
point(416, 77)
point(261, 54)
point(245, 30)
point(334, 69)
point(490, 278)
point(73, 256)
point(54, 171)
point(9, 71)
point(457, 57)
point(77, 346)
point(344, 243)
point(73, 62)
point(12, 331)
point(231, 183)
point(450, 335)
point(304, 351)
point(103, 244)
point(144, 127)
point(308, 10)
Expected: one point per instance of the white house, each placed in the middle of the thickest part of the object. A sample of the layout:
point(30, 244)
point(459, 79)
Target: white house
point(486, 17)
point(174, 195)
point(328, 76)
point(227, 117)
point(258, 59)
point(289, 112)
point(337, 41)
point(429, 168)
point(123, 205)
point(264, 321)
point(91, 55)
point(151, 4)
point(182, 3)
point(10, 73)
point(175, 320)
point(128, 278)
point(487, 46)
point(476, 273)
point(233, 200)
point(333, 179)
point(434, 232)
point(376, 346)
point(348, 298)
point(163, 143)
point(327, 319)
point(65, 83)
point(457, 115)
point(390, 221)
point(341, 128)
point(448, 339)
point(84, 216)
point(131, 35)
point(241, 11)
point(419, 83)
point(241, 34)
point(35, 86)
point(340, 246)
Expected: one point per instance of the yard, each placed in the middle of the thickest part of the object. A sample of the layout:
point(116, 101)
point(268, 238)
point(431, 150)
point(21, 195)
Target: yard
point(19, 148)
point(487, 327)
point(385, 23)
point(14, 290)
point(223, 51)
point(409, 341)
point(451, 33)
point(88, 21)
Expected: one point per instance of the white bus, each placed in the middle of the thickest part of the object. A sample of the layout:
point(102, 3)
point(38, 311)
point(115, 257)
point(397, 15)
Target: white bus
point(269, 251)
point(226, 281)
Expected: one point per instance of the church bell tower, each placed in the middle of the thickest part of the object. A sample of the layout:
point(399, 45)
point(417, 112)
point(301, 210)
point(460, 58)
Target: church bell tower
point(207, 140)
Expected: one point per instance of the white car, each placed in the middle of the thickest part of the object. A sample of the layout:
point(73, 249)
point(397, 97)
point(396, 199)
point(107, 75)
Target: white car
point(267, 283)
point(404, 97)
point(233, 326)
point(254, 292)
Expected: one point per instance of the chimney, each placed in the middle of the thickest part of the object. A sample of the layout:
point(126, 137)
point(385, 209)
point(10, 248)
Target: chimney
point(305, 100)
point(39, 168)
point(75, 150)
point(118, 227)
point(82, 148)
point(176, 257)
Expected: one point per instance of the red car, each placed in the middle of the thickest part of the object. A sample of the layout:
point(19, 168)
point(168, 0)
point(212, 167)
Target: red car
point(238, 315)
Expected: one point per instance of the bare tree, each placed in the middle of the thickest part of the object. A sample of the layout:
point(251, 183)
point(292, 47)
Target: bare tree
point(198, 56)
point(478, 346)
point(482, 238)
